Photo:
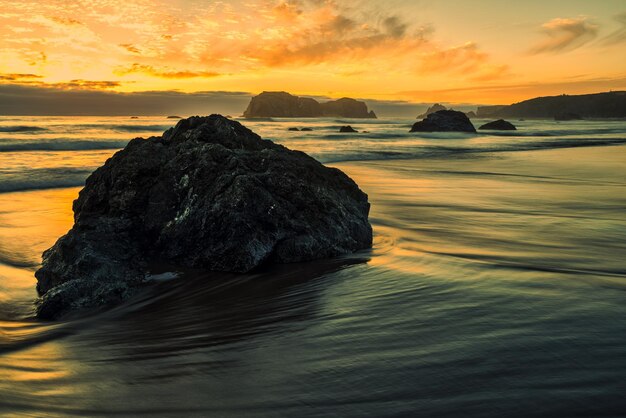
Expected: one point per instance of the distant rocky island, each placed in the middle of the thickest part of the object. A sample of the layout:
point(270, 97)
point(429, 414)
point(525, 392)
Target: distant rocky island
point(598, 105)
point(437, 107)
point(280, 104)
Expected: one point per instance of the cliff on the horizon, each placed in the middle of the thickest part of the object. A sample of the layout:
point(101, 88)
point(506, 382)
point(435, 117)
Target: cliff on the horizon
point(598, 105)
point(280, 104)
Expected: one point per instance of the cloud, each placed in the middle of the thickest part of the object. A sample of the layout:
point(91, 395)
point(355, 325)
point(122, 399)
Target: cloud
point(77, 84)
point(619, 35)
point(286, 11)
point(565, 34)
point(466, 59)
point(18, 77)
point(85, 85)
point(66, 20)
point(395, 27)
point(324, 33)
point(130, 48)
point(164, 73)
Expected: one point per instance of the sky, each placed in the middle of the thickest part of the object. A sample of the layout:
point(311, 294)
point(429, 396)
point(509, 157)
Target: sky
point(392, 51)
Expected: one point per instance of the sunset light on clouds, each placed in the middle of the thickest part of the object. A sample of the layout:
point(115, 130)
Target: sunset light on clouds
point(459, 51)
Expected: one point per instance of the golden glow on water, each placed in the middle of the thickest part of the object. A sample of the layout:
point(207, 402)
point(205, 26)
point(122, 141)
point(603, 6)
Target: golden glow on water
point(43, 374)
point(31, 221)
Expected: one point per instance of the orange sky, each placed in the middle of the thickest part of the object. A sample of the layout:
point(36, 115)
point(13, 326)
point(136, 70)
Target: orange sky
point(487, 51)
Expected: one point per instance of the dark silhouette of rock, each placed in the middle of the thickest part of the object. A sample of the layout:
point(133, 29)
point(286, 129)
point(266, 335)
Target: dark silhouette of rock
point(284, 105)
point(174, 117)
point(470, 114)
point(209, 194)
point(598, 105)
point(306, 129)
point(499, 125)
point(444, 121)
point(563, 116)
point(134, 117)
point(347, 129)
point(434, 108)
point(293, 129)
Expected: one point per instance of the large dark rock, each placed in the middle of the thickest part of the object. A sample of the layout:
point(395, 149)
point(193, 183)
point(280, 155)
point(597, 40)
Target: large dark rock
point(284, 105)
point(208, 194)
point(444, 121)
point(499, 125)
point(347, 129)
point(434, 108)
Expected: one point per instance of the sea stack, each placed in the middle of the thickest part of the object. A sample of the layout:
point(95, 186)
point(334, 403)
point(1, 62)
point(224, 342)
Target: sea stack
point(444, 121)
point(208, 194)
point(499, 125)
point(434, 108)
point(281, 104)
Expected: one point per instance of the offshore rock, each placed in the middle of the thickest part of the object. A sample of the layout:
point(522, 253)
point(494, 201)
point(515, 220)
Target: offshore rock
point(499, 125)
point(444, 121)
point(208, 194)
point(347, 129)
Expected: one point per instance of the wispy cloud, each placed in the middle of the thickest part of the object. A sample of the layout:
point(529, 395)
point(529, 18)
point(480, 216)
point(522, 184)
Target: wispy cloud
point(130, 48)
point(164, 72)
point(18, 77)
point(85, 85)
point(35, 80)
point(619, 35)
point(565, 34)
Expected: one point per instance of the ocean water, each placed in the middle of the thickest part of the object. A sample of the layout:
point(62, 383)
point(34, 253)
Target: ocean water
point(496, 286)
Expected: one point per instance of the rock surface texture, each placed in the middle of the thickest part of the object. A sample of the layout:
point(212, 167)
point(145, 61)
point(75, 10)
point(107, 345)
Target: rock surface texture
point(208, 194)
point(280, 104)
point(499, 125)
point(444, 121)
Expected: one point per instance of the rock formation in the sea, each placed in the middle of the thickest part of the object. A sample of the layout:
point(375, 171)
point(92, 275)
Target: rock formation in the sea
point(564, 116)
point(599, 105)
point(347, 129)
point(174, 117)
point(293, 129)
point(444, 121)
point(281, 104)
point(434, 108)
point(499, 125)
point(306, 129)
point(208, 194)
